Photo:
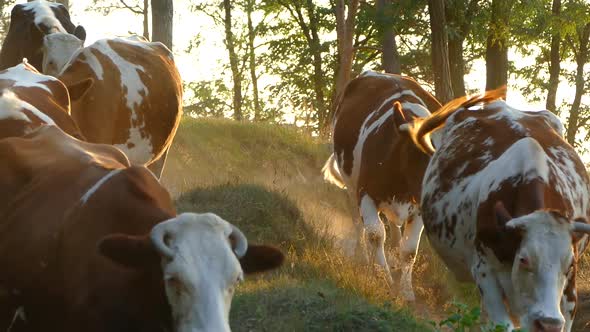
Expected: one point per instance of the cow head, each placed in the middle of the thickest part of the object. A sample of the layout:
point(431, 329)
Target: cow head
point(202, 259)
point(404, 120)
point(541, 266)
point(58, 50)
point(29, 23)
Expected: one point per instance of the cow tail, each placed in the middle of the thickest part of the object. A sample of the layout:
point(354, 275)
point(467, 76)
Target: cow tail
point(421, 128)
point(331, 172)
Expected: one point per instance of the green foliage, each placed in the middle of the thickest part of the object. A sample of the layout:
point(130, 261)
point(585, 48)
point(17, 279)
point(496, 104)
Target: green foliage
point(463, 318)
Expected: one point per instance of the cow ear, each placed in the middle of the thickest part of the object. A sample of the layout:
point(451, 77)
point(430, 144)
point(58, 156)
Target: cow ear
point(17, 11)
point(259, 258)
point(399, 118)
point(80, 32)
point(79, 89)
point(489, 229)
point(129, 251)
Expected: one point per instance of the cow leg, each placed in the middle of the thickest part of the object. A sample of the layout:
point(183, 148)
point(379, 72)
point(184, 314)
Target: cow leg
point(375, 233)
point(492, 298)
point(360, 250)
point(409, 248)
point(157, 167)
point(569, 300)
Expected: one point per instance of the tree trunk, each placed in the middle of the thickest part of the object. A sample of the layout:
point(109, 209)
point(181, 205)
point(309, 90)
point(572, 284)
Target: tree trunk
point(312, 35)
point(497, 45)
point(389, 54)
point(457, 66)
point(162, 21)
point(252, 60)
point(581, 60)
point(459, 15)
point(345, 36)
point(146, 24)
point(440, 52)
point(233, 61)
point(554, 64)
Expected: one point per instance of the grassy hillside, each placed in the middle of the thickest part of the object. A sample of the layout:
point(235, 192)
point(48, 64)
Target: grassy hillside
point(266, 179)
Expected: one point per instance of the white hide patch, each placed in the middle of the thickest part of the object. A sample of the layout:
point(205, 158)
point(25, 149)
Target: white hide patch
point(44, 14)
point(513, 115)
point(141, 151)
point(26, 78)
point(98, 184)
point(11, 106)
point(569, 183)
point(401, 211)
point(370, 216)
point(370, 73)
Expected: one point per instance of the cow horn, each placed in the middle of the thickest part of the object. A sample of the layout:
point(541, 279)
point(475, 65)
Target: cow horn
point(239, 241)
point(158, 234)
point(581, 227)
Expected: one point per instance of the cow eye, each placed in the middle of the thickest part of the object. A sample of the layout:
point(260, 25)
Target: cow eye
point(524, 262)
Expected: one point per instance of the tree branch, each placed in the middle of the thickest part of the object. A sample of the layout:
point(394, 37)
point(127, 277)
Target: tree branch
point(133, 9)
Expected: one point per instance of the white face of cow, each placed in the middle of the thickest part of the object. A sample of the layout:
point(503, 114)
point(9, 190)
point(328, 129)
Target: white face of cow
point(200, 269)
point(540, 268)
point(58, 49)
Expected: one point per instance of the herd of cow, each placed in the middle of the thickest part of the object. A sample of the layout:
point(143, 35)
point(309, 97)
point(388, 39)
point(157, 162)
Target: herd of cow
point(504, 199)
point(91, 241)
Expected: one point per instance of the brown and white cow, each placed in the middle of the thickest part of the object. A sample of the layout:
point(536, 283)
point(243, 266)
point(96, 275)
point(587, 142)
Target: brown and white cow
point(379, 164)
point(29, 99)
point(505, 201)
point(29, 23)
point(90, 243)
point(124, 91)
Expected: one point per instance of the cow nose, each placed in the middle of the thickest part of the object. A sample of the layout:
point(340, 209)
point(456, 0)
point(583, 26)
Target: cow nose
point(548, 325)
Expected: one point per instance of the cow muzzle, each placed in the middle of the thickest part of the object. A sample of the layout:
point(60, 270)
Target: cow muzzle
point(546, 324)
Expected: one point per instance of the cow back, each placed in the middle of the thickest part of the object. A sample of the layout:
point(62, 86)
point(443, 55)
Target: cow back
point(60, 197)
point(30, 99)
point(135, 98)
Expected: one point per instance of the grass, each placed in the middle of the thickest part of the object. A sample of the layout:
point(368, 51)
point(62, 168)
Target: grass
point(266, 179)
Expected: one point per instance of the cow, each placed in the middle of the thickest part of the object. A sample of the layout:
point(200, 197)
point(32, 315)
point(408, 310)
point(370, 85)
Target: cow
point(379, 164)
point(505, 200)
point(29, 23)
point(91, 243)
point(29, 99)
point(124, 91)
